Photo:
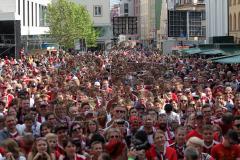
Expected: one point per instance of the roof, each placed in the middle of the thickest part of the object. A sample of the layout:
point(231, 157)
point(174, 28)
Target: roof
point(212, 52)
point(233, 59)
point(191, 51)
point(199, 51)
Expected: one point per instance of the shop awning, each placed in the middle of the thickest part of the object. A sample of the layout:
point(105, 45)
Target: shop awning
point(233, 59)
point(213, 52)
point(191, 51)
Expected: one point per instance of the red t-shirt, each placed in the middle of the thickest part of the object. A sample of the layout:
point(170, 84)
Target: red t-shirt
point(220, 152)
point(170, 154)
point(207, 149)
point(193, 133)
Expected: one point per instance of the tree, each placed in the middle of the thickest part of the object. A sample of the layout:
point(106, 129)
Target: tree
point(68, 22)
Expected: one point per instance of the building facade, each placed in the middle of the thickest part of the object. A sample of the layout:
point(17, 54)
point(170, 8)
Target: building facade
point(115, 11)
point(162, 33)
point(22, 24)
point(234, 19)
point(100, 12)
point(127, 8)
point(150, 13)
point(216, 18)
point(187, 20)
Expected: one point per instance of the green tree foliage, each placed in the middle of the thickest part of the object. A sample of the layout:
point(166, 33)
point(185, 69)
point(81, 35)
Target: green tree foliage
point(69, 21)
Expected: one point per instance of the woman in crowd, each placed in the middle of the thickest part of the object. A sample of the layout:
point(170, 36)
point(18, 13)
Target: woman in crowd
point(12, 150)
point(159, 150)
point(41, 150)
point(116, 145)
point(71, 151)
point(91, 128)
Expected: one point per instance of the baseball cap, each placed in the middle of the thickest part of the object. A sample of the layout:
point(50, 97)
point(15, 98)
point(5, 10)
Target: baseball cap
point(97, 84)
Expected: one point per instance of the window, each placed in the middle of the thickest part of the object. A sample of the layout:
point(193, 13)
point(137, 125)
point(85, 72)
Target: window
point(230, 22)
point(126, 8)
point(42, 16)
point(97, 10)
point(32, 14)
point(195, 27)
point(234, 22)
point(177, 24)
point(239, 21)
point(28, 12)
point(36, 9)
point(203, 15)
point(23, 12)
point(19, 8)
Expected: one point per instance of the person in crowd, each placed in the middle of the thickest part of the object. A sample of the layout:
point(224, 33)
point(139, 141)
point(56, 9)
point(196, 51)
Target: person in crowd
point(40, 150)
point(12, 150)
point(76, 133)
point(29, 126)
point(10, 131)
point(104, 156)
point(171, 115)
point(26, 143)
point(52, 142)
point(236, 109)
point(118, 111)
point(207, 112)
point(199, 124)
point(159, 150)
point(148, 127)
point(198, 144)
point(45, 128)
point(73, 112)
point(51, 119)
point(179, 145)
point(2, 122)
point(228, 149)
point(70, 152)
point(92, 128)
point(62, 134)
point(191, 153)
point(116, 145)
point(236, 125)
point(97, 149)
point(208, 138)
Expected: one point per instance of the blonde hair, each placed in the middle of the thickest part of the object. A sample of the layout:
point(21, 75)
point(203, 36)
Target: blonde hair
point(111, 130)
point(51, 136)
point(195, 140)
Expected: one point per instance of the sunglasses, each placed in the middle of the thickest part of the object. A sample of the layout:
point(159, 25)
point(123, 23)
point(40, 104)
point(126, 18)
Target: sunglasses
point(77, 129)
point(43, 106)
point(114, 136)
point(120, 111)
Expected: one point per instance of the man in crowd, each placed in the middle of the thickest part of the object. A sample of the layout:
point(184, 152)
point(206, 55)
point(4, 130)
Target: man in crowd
point(228, 149)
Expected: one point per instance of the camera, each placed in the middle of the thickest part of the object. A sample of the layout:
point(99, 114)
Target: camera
point(140, 141)
point(22, 94)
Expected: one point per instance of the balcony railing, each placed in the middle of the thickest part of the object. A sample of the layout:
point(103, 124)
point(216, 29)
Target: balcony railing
point(7, 39)
point(191, 2)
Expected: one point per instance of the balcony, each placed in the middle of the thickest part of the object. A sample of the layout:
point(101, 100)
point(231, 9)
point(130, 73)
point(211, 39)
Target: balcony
point(7, 40)
point(190, 6)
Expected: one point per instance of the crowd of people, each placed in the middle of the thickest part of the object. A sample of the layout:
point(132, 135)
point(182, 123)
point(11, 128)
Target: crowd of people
point(127, 105)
